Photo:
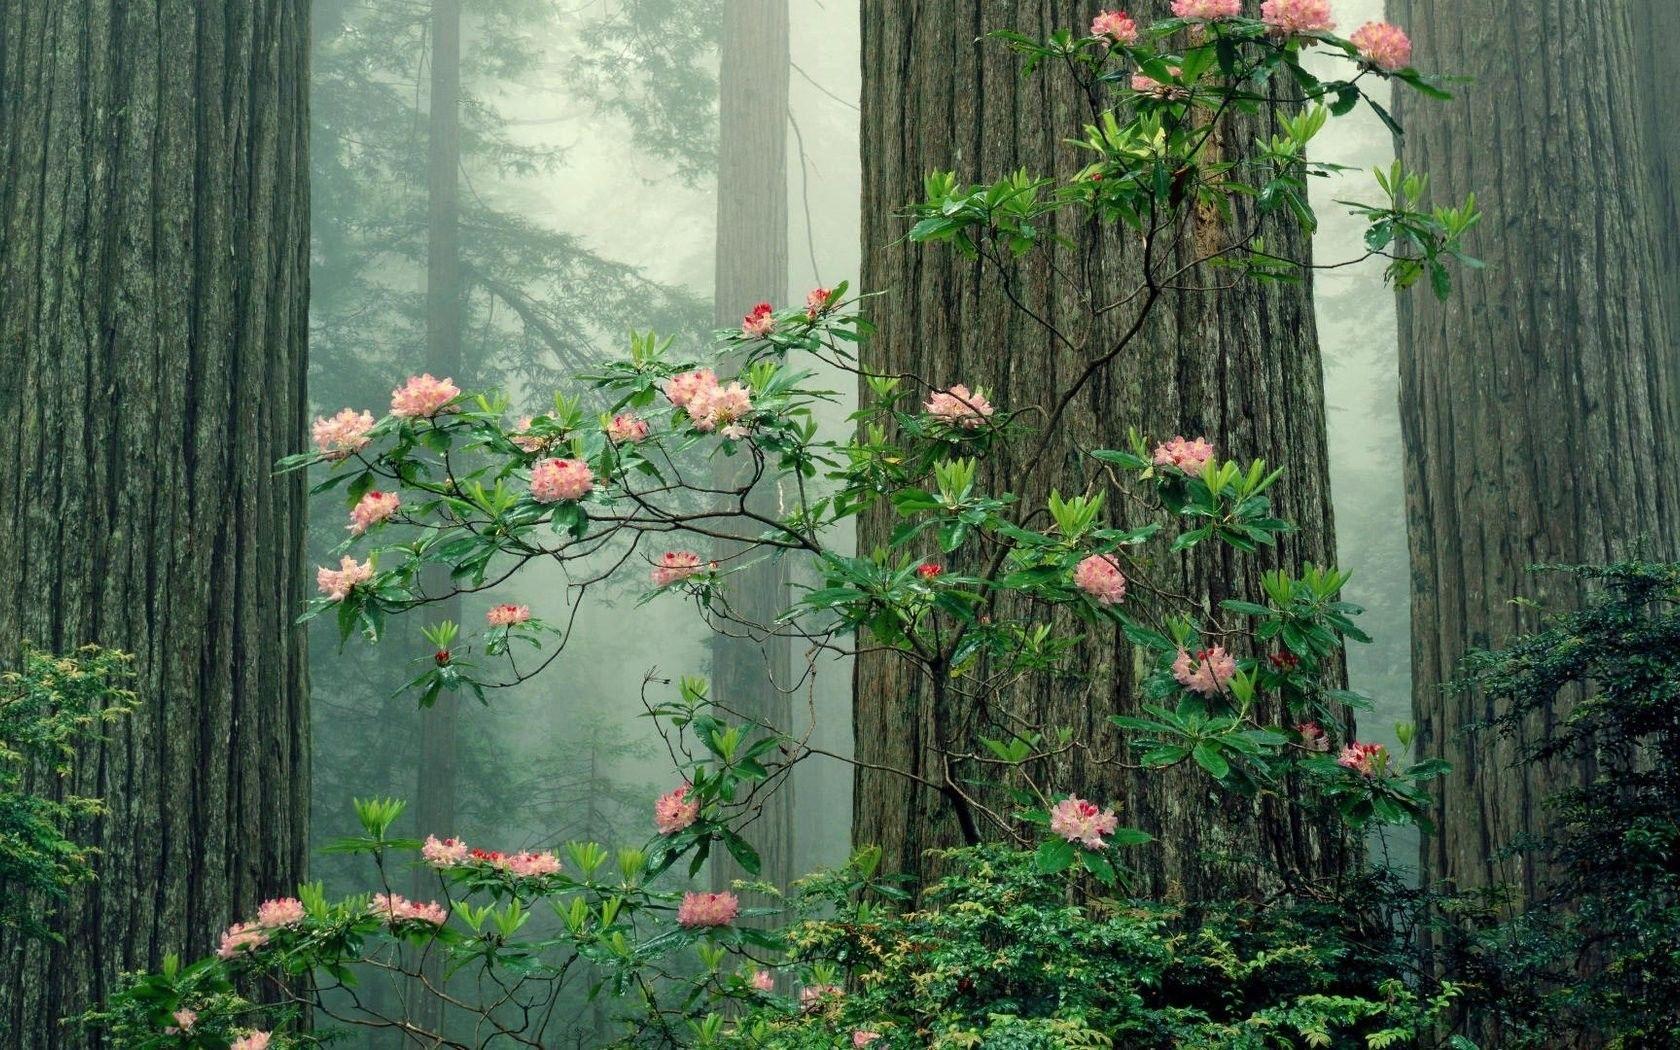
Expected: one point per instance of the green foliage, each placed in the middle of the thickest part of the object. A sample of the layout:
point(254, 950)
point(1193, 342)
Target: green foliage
point(50, 708)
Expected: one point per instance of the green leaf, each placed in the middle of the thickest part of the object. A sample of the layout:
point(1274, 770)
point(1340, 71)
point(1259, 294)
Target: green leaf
point(1054, 855)
point(1208, 756)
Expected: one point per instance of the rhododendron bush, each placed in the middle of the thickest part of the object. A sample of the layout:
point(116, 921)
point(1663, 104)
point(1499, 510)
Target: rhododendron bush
point(612, 480)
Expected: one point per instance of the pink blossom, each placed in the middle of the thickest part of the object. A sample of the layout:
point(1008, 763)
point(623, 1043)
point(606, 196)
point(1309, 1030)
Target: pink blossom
point(816, 302)
point(337, 583)
point(1116, 25)
point(1289, 17)
point(681, 388)
point(251, 1040)
point(184, 1021)
point(863, 1038)
point(1099, 577)
point(735, 431)
point(812, 996)
point(528, 865)
point(1367, 759)
point(343, 433)
point(241, 937)
point(396, 908)
point(443, 853)
point(718, 406)
point(423, 396)
point(528, 442)
point(373, 508)
point(1082, 822)
point(507, 614)
point(959, 407)
point(674, 566)
point(1209, 9)
point(929, 570)
point(763, 981)
point(759, 323)
point(627, 429)
point(553, 480)
point(708, 909)
point(1312, 737)
point(285, 911)
point(674, 811)
point(1188, 456)
point(1207, 672)
point(1145, 84)
point(1383, 45)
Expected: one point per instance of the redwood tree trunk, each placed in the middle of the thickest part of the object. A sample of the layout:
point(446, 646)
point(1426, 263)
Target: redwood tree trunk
point(1538, 404)
point(751, 670)
point(153, 288)
point(1240, 366)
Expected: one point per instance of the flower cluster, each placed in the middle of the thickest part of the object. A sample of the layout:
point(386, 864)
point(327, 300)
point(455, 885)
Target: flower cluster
point(1116, 26)
point(340, 435)
point(528, 442)
point(443, 853)
point(675, 566)
point(1099, 577)
point(1364, 758)
point(251, 1040)
point(1289, 17)
point(1382, 45)
point(760, 322)
point(959, 407)
point(285, 911)
point(1313, 737)
point(394, 908)
point(1208, 9)
point(627, 429)
point(700, 909)
point(373, 508)
point(507, 615)
point(816, 302)
point(1207, 672)
point(1082, 822)
point(1188, 456)
point(553, 480)
point(674, 811)
point(239, 938)
point(423, 397)
point(710, 405)
point(813, 996)
point(1145, 84)
point(336, 583)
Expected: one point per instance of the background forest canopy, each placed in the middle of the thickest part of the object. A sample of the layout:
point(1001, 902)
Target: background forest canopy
point(950, 603)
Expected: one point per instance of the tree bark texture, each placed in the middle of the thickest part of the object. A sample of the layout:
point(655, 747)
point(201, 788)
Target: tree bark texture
point(751, 671)
point(1538, 404)
point(153, 290)
point(1239, 365)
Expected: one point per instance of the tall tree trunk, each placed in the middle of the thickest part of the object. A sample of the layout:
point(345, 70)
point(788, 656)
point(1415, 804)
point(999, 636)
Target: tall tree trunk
point(1537, 405)
point(1655, 29)
point(434, 808)
point(1239, 365)
point(153, 291)
point(751, 671)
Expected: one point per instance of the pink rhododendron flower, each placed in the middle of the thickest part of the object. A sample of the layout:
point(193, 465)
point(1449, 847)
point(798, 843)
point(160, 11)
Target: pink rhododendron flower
point(674, 811)
point(553, 480)
point(929, 570)
point(1082, 822)
point(1209, 9)
point(423, 396)
point(1188, 456)
point(528, 442)
point(394, 907)
point(373, 508)
point(1288, 17)
point(1207, 672)
point(343, 433)
point(760, 322)
point(286, 911)
point(816, 302)
point(241, 937)
point(813, 996)
point(1312, 737)
point(1116, 25)
point(627, 429)
point(528, 865)
point(959, 407)
point(1366, 759)
point(863, 1038)
point(184, 1021)
point(708, 909)
point(681, 388)
point(718, 406)
point(443, 853)
point(1383, 45)
point(337, 583)
point(763, 981)
point(1099, 577)
point(507, 614)
point(251, 1041)
point(674, 566)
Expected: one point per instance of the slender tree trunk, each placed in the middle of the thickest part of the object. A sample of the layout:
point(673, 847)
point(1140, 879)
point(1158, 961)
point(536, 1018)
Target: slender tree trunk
point(435, 804)
point(1537, 405)
point(1239, 365)
point(750, 671)
point(153, 292)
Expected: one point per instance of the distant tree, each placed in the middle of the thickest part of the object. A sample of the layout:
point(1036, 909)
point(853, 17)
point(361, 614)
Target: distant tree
point(153, 287)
